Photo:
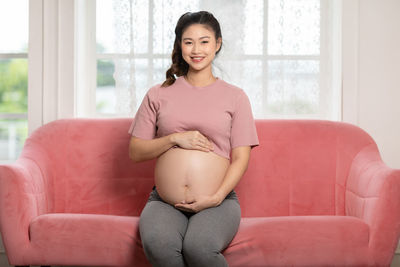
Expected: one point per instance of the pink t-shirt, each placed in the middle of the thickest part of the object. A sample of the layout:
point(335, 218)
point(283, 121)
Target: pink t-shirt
point(220, 111)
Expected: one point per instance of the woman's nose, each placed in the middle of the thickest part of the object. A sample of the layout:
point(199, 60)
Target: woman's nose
point(195, 48)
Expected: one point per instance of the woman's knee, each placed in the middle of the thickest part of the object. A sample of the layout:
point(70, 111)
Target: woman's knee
point(163, 252)
point(209, 232)
point(162, 247)
point(202, 257)
point(199, 252)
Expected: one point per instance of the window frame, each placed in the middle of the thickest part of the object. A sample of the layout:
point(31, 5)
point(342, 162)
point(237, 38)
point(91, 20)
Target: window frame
point(62, 79)
point(326, 61)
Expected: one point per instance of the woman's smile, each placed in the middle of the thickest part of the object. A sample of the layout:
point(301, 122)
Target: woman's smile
point(197, 59)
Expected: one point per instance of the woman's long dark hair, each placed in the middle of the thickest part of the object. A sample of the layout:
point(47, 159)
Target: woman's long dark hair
point(179, 66)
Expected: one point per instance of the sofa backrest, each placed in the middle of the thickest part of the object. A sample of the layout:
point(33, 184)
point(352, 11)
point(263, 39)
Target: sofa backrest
point(300, 167)
point(87, 169)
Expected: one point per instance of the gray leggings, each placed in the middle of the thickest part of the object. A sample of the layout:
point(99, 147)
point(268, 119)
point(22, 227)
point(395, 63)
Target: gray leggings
point(171, 237)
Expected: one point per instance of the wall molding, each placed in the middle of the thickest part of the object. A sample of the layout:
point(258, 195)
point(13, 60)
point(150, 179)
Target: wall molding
point(350, 61)
point(51, 74)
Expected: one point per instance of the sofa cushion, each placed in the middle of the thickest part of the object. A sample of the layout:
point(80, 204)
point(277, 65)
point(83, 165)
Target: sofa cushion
point(278, 241)
point(299, 241)
point(79, 239)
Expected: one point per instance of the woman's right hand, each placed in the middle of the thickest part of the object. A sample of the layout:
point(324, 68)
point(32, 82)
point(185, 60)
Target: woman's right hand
point(193, 140)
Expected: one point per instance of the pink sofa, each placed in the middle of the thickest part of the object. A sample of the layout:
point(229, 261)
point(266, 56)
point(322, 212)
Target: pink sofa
point(316, 193)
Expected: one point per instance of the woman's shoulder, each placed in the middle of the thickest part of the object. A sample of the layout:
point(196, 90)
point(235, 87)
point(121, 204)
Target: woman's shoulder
point(231, 88)
point(227, 87)
point(153, 92)
point(155, 89)
point(158, 86)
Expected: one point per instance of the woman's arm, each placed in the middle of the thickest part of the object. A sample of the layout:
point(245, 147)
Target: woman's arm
point(238, 166)
point(141, 149)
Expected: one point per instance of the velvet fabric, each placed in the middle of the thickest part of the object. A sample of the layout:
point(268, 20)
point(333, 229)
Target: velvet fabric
point(316, 193)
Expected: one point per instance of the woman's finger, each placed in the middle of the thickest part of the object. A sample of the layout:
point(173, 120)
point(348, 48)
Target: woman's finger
point(202, 147)
point(184, 209)
point(203, 142)
point(184, 206)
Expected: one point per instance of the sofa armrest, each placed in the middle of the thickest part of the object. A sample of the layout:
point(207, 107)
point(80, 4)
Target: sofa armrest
point(22, 198)
point(373, 195)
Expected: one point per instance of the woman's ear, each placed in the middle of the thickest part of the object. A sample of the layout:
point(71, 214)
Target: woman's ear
point(219, 43)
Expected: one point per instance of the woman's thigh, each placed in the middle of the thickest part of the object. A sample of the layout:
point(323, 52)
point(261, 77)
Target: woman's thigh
point(161, 221)
point(165, 230)
point(214, 228)
point(162, 228)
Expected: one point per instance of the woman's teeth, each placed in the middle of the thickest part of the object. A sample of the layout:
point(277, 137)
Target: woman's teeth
point(197, 59)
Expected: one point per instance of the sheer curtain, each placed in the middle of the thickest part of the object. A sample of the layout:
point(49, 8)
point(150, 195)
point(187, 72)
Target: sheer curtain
point(283, 53)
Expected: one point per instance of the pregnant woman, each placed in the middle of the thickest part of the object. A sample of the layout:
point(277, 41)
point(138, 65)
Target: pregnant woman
point(201, 130)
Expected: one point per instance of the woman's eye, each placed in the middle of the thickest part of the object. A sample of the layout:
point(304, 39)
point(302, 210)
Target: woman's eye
point(188, 43)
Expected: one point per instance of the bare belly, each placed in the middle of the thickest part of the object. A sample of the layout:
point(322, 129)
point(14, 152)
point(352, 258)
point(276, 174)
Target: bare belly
point(183, 174)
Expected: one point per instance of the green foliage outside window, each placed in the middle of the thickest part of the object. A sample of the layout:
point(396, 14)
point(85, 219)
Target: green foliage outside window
point(105, 71)
point(105, 80)
point(13, 86)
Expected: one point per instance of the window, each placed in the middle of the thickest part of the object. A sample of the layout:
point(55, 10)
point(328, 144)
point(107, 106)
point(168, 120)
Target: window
point(13, 78)
point(281, 52)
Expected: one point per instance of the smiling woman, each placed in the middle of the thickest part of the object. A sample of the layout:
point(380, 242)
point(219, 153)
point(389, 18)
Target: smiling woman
point(194, 124)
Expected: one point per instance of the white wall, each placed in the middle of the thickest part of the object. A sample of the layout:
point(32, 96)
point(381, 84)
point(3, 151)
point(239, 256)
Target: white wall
point(371, 72)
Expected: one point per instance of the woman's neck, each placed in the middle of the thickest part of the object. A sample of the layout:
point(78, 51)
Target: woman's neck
point(200, 79)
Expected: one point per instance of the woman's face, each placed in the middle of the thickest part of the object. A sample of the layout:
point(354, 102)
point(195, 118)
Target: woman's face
point(199, 47)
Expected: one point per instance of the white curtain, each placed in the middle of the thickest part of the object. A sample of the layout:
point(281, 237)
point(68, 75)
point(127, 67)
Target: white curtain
point(281, 52)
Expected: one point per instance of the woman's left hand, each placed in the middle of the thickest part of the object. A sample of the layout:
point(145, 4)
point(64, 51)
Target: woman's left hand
point(199, 203)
